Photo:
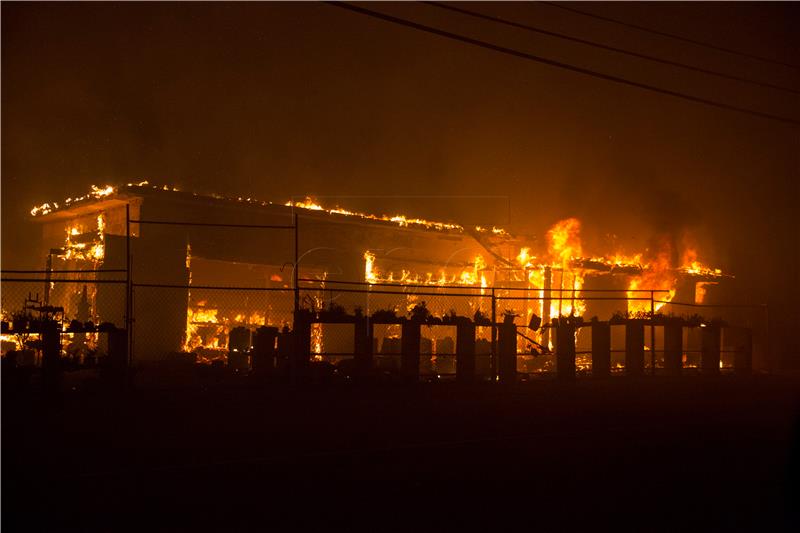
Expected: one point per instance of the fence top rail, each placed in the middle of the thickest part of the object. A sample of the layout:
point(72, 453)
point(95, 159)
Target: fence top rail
point(37, 280)
point(51, 272)
point(398, 285)
point(212, 224)
point(470, 287)
point(362, 291)
point(581, 298)
point(209, 287)
point(744, 306)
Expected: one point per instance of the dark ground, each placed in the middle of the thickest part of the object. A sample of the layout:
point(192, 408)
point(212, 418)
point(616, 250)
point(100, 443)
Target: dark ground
point(634, 455)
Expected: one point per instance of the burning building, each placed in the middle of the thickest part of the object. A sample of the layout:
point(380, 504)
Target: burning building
point(202, 265)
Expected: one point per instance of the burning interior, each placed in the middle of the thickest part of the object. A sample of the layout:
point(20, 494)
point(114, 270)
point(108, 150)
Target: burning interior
point(204, 265)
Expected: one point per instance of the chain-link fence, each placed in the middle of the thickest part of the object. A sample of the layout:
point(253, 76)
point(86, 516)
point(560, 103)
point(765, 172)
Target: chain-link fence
point(743, 328)
point(199, 319)
point(384, 307)
point(86, 305)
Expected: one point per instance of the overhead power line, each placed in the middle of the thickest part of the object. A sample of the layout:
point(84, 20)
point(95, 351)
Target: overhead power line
point(558, 64)
point(542, 31)
point(672, 35)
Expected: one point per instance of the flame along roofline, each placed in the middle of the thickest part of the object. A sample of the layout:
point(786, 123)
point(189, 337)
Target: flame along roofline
point(110, 195)
point(599, 264)
point(99, 198)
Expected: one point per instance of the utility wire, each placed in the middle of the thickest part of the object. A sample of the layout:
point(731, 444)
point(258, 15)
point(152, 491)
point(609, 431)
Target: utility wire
point(451, 7)
point(672, 35)
point(558, 64)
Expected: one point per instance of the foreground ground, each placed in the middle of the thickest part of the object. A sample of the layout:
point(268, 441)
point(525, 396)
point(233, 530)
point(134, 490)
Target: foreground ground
point(641, 455)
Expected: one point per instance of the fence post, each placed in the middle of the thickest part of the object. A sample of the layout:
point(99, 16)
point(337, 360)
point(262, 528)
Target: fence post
point(565, 349)
point(673, 347)
point(507, 352)
point(634, 347)
point(710, 350)
point(601, 349)
point(494, 337)
point(410, 351)
point(465, 350)
point(295, 270)
point(128, 286)
point(652, 334)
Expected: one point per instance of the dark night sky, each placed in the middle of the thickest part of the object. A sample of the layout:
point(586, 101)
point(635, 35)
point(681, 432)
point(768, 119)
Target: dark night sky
point(273, 100)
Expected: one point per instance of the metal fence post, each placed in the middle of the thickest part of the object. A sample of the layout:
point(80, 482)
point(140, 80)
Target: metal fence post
point(652, 334)
point(128, 285)
point(296, 266)
point(494, 337)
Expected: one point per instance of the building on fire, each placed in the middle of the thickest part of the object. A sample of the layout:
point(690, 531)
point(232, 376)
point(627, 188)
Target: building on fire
point(191, 252)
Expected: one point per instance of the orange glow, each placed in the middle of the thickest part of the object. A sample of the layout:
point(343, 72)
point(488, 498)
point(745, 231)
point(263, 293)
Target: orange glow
point(400, 220)
point(657, 274)
point(563, 240)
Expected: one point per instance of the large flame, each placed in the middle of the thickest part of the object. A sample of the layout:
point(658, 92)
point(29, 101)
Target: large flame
point(564, 242)
point(85, 243)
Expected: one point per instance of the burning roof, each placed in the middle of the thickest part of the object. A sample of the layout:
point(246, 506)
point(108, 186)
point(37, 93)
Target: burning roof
point(564, 252)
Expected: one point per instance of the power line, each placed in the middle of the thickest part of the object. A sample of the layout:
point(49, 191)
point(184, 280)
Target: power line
point(558, 64)
point(672, 36)
point(507, 22)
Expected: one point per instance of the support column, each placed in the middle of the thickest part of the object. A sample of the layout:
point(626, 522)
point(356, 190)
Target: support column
point(673, 348)
point(301, 353)
point(409, 351)
point(51, 356)
point(710, 350)
point(565, 349)
point(601, 349)
point(362, 343)
point(238, 348)
point(465, 351)
point(634, 347)
point(263, 358)
point(546, 301)
point(507, 352)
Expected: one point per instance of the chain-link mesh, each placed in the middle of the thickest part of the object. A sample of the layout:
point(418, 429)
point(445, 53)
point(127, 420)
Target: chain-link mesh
point(87, 306)
point(172, 319)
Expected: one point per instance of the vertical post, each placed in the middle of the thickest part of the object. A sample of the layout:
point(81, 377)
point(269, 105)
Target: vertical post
point(465, 350)
point(128, 285)
point(295, 273)
point(601, 349)
point(362, 344)
point(494, 337)
point(673, 347)
point(565, 349)
point(652, 334)
point(710, 350)
point(51, 356)
point(263, 355)
point(47, 277)
point(507, 352)
point(634, 347)
point(765, 334)
point(410, 351)
point(546, 303)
